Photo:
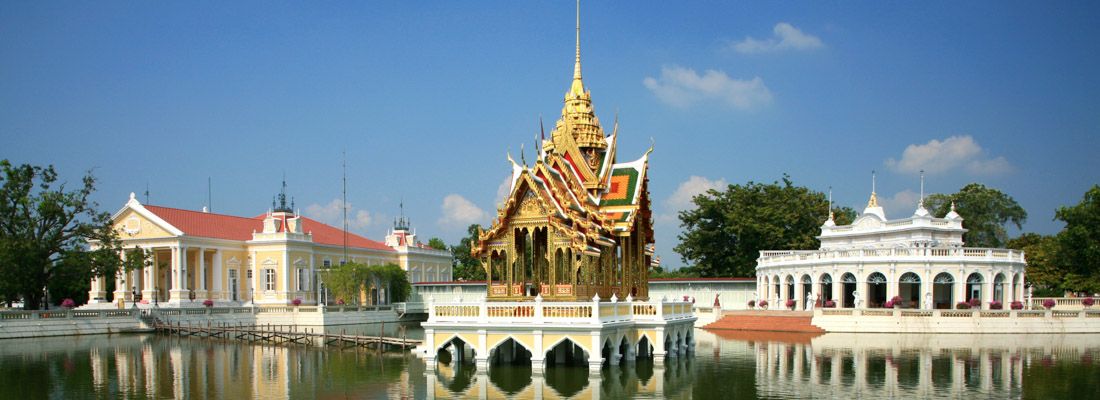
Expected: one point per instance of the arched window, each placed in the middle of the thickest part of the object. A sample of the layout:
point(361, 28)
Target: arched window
point(848, 290)
point(909, 290)
point(876, 290)
point(943, 291)
point(999, 288)
point(826, 288)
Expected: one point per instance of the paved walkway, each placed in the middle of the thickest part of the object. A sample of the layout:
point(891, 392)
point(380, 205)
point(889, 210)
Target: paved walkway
point(763, 320)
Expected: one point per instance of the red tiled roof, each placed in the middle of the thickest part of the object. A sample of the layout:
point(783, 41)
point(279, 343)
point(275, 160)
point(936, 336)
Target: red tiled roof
point(220, 226)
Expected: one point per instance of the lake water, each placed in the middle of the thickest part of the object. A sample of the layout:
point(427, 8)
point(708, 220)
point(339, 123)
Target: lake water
point(726, 364)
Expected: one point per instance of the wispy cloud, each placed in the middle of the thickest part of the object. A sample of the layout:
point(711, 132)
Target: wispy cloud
point(901, 204)
point(785, 37)
point(332, 214)
point(683, 87)
point(953, 153)
point(458, 212)
point(681, 199)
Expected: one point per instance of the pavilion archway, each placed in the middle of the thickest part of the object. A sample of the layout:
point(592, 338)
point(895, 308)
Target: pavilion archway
point(943, 291)
point(974, 287)
point(876, 289)
point(848, 289)
point(826, 287)
point(807, 291)
point(909, 290)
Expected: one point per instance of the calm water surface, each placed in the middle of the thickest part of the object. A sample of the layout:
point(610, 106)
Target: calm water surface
point(725, 365)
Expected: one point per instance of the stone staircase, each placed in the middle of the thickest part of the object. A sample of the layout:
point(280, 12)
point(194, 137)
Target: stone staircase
point(775, 321)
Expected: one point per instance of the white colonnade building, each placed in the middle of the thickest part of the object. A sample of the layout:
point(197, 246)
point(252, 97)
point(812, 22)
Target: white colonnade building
point(920, 259)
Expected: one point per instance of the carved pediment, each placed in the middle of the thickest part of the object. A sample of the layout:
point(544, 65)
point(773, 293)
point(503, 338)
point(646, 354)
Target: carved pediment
point(531, 206)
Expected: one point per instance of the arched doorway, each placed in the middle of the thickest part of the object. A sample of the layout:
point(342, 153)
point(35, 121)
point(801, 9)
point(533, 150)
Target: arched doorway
point(849, 290)
point(974, 287)
point(566, 353)
point(806, 293)
point(510, 352)
point(1015, 287)
point(999, 288)
point(456, 352)
point(644, 348)
point(909, 290)
point(790, 290)
point(943, 291)
point(826, 289)
point(876, 290)
point(566, 368)
point(778, 292)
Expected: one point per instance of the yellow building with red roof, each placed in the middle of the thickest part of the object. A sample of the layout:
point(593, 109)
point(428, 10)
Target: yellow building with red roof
point(272, 258)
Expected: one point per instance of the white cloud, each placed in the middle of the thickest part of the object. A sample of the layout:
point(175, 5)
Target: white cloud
point(504, 189)
point(693, 186)
point(900, 205)
point(936, 157)
point(332, 214)
point(682, 87)
point(681, 199)
point(785, 37)
point(459, 212)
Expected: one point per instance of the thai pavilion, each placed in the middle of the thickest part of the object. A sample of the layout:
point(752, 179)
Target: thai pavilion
point(567, 258)
point(921, 259)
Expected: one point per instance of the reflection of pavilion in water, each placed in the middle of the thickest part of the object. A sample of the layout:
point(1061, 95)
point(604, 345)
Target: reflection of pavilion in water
point(149, 367)
point(920, 366)
point(452, 378)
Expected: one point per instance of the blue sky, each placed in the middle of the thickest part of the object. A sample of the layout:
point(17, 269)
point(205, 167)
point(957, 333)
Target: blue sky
point(427, 98)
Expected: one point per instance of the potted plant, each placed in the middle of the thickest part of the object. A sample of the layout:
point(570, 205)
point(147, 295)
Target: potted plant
point(829, 304)
point(962, 305)
point(888, 304)
point(752, 304)
point(1049, 303)
point(763, 304)
point(895, 302)
point(208, 303)
point(1088, 302)
point(996, 305)
point(1017, 305)
point(339, 302)
point(296, 302)
point(790, 304)
point(975, 303)
point(68, 303)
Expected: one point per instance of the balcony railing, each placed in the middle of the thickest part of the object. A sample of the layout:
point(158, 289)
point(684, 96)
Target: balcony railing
point(784, 257)
point(539, 311)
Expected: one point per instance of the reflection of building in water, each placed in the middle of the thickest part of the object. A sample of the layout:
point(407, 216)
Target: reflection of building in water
point(909, 366)
point(919, 259)
point(643, 379)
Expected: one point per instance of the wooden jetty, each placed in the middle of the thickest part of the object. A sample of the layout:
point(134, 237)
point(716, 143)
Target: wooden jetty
point(287, 334)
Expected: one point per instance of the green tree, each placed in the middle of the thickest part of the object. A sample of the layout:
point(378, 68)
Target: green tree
point(1042, 271)
point(985, 212)
point(683, 272)
point(394, 279)
point(346, 281)
point(45, 233)
point(466, 267)
point(437, 243)
point(724, 234)
point(1078, 251)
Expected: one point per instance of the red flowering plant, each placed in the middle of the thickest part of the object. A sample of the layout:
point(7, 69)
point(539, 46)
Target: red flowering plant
point(752, 303)
point(1017, 305)
point(763, 304)
point(339, 302)
point(975, 302)
point(68, 303)
point(790, 304)
point(996, 305)
point(296, 302)
point(1088, 301)
point(962, 306)
point(829, 304)
point(1049, 303)
point(208, 303)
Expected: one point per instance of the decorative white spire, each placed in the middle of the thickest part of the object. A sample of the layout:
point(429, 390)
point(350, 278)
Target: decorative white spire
point(872, 203)
point(830, 221)
point(921, 211)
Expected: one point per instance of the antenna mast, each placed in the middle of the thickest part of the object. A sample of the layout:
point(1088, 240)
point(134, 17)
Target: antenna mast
point(344, 166)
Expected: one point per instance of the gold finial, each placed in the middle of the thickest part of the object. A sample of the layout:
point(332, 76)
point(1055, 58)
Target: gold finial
point(873, 202)
point(577, 66)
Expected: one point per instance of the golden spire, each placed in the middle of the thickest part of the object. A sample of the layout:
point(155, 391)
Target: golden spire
point(578, 86)
point(873, 202)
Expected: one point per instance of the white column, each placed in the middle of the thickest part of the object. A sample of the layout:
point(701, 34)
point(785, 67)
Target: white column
point(313, 280)
point(176, 292)
point(120, 279)
point(285, 271)
point(148, 285)
point(217, 280)
point(201, 293)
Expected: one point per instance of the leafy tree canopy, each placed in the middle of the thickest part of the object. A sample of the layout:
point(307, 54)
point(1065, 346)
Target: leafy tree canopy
point(1078, 244)
point(985, 213)
point(724, 234)
point(348, 282)
point(437, 243)
point(45, 232)
point(466, 267)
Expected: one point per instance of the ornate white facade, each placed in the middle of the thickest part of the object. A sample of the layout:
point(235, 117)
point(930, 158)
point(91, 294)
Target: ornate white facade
point(921, 259)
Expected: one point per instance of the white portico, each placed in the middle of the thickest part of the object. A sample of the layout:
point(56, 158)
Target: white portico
point(920, 259)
